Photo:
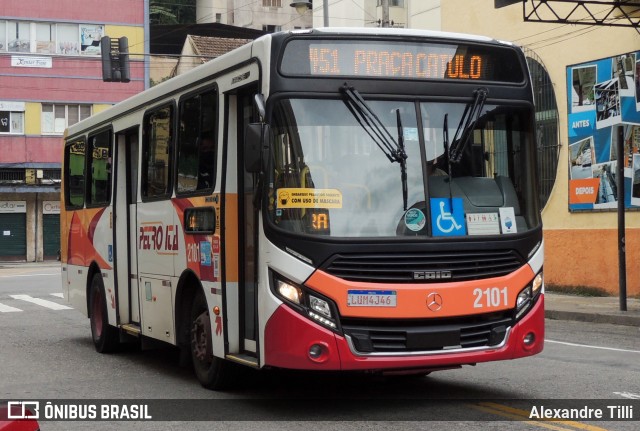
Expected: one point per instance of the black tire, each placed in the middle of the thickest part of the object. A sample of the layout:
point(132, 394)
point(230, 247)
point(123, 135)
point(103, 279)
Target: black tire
point(212, 372)
point(105, 337)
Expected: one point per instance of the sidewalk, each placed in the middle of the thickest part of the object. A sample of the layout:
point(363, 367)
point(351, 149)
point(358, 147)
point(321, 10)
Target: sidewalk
point(604, 309)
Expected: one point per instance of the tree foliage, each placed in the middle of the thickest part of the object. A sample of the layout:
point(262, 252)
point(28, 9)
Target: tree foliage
point(172, 11)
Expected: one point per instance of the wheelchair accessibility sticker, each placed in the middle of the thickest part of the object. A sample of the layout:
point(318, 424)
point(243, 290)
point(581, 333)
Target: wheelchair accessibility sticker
point(447, 221)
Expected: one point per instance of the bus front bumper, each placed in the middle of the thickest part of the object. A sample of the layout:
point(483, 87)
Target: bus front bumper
point(294, 342)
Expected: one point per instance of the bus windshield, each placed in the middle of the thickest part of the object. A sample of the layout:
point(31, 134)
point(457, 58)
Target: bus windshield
point(331, 176)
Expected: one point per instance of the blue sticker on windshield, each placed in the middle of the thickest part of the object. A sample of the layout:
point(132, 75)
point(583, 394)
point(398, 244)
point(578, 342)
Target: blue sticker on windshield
point(446, 221)
point(414, 219)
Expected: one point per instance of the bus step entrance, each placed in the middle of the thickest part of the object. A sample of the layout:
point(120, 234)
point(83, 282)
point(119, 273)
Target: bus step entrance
point(244, 359)
point(131, 329)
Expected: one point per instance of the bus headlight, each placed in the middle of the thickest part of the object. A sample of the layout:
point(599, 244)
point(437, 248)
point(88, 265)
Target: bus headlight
point(319, 309)
point(320, 305)
point(528, 295)
point(289, 291)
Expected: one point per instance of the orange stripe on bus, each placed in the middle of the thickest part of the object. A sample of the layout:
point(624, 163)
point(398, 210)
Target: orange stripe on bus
point(455, 298)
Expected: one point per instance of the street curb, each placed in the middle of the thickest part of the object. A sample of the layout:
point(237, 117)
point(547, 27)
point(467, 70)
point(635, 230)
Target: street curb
point(614, 319)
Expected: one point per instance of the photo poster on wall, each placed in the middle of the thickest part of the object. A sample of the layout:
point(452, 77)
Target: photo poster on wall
point(602, 96)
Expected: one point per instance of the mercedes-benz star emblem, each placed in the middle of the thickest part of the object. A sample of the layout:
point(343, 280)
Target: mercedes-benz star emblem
point(434, 301)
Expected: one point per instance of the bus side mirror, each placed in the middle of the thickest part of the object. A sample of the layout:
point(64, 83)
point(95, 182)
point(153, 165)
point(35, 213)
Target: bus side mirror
point(255, 141)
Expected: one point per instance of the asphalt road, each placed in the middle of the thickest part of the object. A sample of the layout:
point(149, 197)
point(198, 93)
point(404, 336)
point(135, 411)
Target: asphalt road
point(47, 353)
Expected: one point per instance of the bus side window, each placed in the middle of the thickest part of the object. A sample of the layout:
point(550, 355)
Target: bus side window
point(74, 174)
point(156, 163)
point(99, 172)
point(196, 143)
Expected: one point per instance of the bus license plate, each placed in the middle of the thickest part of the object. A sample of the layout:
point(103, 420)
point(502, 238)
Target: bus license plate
point(371, 298)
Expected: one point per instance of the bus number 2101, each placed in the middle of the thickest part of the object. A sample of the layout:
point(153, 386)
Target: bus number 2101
point(490, 297)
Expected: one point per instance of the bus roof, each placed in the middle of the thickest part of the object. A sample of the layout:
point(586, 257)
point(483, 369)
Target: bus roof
point(380, 31)
point(243, 54)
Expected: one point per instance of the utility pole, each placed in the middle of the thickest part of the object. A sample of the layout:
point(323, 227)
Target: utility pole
point(325, 12)
point(385, 13)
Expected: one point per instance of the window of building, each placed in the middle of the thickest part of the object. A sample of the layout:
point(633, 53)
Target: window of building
point(56, 118)
point(3, 36)
point(271, 28)
point(50, 38)
point(156, 163)
point(45, 37)
point(99, 172)
point(395, 3)
point(18, 36)
point(196, 143)
point(74, 157)
point(90, 36)
point(12, 122)
point(68, 42)
point(218, 17)
point(272, 3)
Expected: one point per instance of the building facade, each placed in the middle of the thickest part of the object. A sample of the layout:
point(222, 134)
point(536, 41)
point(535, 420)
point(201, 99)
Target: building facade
point(266, 15)
point(50, 78)
point(581, 237)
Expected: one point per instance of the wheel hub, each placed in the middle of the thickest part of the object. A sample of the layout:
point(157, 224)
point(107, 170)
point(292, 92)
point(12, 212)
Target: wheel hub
point(200, 337)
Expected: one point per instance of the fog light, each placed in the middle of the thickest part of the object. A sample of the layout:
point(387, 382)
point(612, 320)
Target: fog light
point(529, 339)
point(315, 351)
point(318, 352)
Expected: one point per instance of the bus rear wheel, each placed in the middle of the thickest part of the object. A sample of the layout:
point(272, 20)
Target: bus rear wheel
point(105, 337)
point(212, 372)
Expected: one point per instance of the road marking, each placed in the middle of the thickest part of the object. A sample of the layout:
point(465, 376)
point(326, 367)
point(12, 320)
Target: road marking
point(8, 309)
point(514, 413)
point(30, 275)
point(42, 302)
point(628, 395)
point(614, 349)
point(58, 295)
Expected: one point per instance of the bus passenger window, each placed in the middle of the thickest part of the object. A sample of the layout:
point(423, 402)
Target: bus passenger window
point(196, 143)
point(74, 174)
point(157, 152)
point(100, 169)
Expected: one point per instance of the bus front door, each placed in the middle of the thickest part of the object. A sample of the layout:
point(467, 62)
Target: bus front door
point(125, 201)
point(241, 219)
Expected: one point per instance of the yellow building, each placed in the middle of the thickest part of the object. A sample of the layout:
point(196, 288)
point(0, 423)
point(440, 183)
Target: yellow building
point(581, 241)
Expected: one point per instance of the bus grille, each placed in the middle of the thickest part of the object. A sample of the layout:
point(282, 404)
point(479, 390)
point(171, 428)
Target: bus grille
point(423, 267)
point(399, 337)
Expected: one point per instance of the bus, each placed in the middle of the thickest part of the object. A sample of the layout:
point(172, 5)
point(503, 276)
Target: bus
point(321, 199)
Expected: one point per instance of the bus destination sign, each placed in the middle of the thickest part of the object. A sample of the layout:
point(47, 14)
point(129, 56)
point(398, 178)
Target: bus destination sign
point(403, 60)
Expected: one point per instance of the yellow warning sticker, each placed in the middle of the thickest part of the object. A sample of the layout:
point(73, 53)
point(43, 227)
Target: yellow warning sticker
point(309, 198)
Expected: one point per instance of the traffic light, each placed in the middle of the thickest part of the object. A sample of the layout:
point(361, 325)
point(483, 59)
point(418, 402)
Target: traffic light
point(115, 59)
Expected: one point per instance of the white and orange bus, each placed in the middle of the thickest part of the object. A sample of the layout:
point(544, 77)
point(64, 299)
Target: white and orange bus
point(327, 199)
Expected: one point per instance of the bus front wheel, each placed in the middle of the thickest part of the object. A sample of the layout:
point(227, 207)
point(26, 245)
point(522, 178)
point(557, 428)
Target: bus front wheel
point(212, 372)
point(105, 337)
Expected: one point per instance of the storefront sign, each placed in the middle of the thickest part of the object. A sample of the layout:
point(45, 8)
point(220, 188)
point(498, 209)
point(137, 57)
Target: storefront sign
point(28, 61)
point(51, 207)
point(13, 207)
point(12, 106)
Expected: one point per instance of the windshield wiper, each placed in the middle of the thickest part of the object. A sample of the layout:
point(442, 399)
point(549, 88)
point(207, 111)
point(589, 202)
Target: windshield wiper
point(467, 124)
point(367, 118)
point(403, 160)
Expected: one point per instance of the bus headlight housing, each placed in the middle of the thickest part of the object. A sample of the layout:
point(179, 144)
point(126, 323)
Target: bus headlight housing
point(310, 304)
point(289, 291)
point(527, 296)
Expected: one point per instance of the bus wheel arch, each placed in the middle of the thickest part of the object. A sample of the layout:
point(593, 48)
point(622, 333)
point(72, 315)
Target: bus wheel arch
point(105, 337)
point(187, 288)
